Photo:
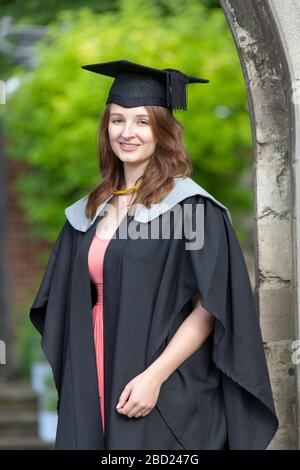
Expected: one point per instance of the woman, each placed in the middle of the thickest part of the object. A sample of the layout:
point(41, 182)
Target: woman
point(146, 309)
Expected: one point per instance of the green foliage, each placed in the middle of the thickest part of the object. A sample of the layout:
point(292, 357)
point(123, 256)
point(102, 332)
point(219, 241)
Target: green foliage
point(52, 119)
point(28, 343)
point(48, 399)
point(41, 12)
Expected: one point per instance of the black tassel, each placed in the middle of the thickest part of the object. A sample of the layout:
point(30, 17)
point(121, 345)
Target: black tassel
point(177, 90)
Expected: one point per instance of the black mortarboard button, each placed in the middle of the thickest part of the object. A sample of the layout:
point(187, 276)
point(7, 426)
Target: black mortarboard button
point(139, 85)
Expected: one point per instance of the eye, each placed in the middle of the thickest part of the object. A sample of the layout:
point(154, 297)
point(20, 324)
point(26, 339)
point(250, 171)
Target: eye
point(120, 120)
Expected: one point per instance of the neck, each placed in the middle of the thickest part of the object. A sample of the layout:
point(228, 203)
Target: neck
point(131, 175)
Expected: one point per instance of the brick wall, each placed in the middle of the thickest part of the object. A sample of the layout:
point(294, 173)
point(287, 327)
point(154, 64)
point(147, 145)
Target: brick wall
point(21, 250)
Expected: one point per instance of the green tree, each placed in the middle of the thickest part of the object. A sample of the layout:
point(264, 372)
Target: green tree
point(42, 13)
point(52, 119)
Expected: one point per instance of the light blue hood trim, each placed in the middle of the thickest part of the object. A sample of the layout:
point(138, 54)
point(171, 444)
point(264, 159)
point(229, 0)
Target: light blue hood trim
point(183, 188)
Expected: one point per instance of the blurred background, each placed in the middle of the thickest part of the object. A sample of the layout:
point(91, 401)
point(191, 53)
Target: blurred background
point(49, 117)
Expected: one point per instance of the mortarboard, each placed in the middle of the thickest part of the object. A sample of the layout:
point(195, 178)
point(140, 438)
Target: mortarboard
point(139, 85)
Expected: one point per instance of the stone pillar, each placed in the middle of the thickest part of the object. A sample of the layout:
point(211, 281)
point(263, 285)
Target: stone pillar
point(266, 35)
point(286, 15)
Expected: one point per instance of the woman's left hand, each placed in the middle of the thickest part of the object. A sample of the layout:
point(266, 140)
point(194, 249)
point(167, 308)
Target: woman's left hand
point(139, 395)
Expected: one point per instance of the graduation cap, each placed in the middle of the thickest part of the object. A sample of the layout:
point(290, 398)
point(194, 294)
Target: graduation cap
point(139, 85)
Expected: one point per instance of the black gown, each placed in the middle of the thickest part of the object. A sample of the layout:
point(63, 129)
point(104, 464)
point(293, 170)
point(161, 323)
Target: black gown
point(219, 398)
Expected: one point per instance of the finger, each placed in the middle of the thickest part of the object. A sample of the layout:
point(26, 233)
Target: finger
point(136, 412)
point(123, 398)
point(127, 407)
point(131, 404)
point(142, 414)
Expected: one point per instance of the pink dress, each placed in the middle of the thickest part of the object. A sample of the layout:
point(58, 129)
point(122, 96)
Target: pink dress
point(95, 263)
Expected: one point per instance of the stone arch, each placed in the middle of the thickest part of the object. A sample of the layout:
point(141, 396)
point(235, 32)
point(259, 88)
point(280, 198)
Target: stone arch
point(266, 34)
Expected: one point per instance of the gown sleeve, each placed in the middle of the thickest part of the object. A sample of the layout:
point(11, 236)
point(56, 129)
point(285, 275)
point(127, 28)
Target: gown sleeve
point(223, 282)
point(49, 309)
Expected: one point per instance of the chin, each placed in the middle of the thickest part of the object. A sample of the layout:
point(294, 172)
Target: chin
point(128, 158)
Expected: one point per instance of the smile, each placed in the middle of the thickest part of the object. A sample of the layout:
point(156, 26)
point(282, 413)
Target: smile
point(129, 147)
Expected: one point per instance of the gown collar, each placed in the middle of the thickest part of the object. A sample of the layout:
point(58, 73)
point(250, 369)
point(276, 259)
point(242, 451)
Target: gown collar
point(183, 188)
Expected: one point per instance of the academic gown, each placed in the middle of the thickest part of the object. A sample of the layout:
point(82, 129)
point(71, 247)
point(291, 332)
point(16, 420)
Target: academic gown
point(220, 397)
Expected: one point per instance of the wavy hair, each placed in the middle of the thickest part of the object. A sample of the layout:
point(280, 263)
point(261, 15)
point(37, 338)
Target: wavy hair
point(168, 160)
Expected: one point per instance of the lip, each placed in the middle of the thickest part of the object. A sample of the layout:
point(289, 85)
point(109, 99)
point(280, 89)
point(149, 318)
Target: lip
point(128, 148)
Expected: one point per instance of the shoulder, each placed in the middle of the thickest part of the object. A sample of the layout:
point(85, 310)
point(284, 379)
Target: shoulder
point(191, 193)
point(211, 211)
point(64, 237)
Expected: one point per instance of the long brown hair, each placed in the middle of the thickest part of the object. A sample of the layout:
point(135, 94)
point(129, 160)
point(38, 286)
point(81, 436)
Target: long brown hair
point(169, 160)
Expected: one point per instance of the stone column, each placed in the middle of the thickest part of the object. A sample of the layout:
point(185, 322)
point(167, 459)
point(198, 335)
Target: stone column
point(286, 15)
point(266, 35)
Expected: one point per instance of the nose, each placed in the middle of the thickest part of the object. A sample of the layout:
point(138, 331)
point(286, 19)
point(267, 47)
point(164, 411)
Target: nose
point(127, 131)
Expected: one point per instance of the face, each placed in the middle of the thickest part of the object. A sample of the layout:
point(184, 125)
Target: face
point(130, 126)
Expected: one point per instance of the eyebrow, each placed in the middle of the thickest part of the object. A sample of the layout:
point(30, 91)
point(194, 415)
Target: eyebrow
point(138, 115)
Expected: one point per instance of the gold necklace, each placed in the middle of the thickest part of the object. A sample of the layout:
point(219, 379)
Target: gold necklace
point(125, 191)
